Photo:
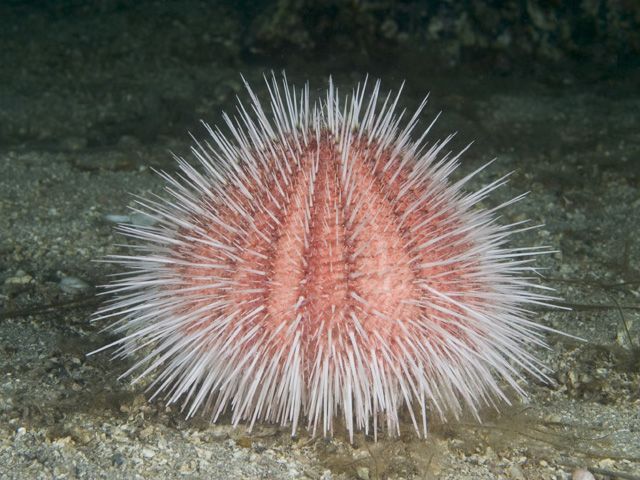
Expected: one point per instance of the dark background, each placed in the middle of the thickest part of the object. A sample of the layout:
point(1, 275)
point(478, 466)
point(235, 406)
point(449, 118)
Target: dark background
point(86, 73)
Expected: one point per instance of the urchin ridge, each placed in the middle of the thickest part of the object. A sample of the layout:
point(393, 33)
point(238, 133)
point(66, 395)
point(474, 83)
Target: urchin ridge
point(319, 262)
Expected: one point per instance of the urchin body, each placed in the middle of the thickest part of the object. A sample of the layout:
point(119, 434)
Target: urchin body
point(319, 263)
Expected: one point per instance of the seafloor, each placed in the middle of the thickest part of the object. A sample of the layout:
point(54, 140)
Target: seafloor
point(83, 122)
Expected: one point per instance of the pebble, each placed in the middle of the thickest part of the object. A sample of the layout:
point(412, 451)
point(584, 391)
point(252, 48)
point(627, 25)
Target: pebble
point(363, 473)
point(20, 278)
point(73, 285)
point(582, 474)
point(148, 453)
point(515, 473)
point(326, 475)
point(117, 459)
point(607, 463)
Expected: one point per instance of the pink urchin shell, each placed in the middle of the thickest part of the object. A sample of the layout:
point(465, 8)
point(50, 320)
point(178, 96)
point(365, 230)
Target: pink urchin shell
point(320, 263)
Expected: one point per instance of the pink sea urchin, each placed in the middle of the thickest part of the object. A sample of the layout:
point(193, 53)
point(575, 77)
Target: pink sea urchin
point(319, 262)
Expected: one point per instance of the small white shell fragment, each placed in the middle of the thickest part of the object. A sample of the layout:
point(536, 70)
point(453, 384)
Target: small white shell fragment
point(73, 285)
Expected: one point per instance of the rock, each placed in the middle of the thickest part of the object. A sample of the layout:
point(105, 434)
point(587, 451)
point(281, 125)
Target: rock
point(582, 474)
point(363, 473)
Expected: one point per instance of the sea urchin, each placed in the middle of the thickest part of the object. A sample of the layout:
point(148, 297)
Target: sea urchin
point(319, 262)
